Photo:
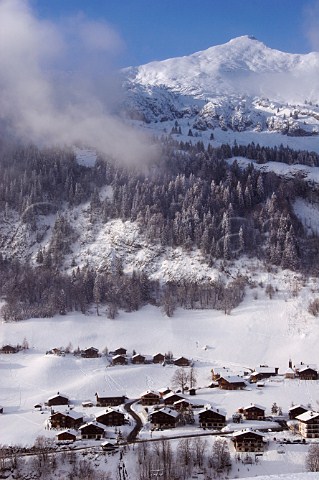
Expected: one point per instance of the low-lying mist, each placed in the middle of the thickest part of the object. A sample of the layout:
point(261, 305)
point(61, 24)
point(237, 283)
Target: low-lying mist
point(58, 84)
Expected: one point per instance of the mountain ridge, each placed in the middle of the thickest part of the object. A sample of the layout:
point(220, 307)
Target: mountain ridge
point(241, 54)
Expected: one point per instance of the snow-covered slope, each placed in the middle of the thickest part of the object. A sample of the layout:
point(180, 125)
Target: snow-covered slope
point(240, 86)
point(244, 66)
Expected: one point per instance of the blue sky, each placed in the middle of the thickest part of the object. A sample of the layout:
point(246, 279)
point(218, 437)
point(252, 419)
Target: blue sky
point(159, 29)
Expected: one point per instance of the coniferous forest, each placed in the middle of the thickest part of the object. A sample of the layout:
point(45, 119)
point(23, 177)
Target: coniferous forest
point(191, 197)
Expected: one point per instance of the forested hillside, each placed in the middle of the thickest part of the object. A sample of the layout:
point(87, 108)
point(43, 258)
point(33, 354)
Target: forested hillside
point(191, 198)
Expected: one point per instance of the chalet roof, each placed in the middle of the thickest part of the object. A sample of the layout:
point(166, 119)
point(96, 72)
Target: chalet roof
point(307, 416)
point(68, 430)
point(120, 349)
point(108, 411)
point(254, 405)
point(94, 424)
point(182, 400)
point(166, 411)
point(91, 348)
point(138, 355)
point(109, 444)
point(294, 407)
point(181, 358)
point(71, 414)
point(264, 369)
point(172, 394)
point(302, 365)
point(118, 356)
point(289, 370)
point(59, 394)
point(110, 394)
point(149, 392)
point(232, 379)
point(247, 430)
point(210, 408)
point(307, 367)
point(164, 389)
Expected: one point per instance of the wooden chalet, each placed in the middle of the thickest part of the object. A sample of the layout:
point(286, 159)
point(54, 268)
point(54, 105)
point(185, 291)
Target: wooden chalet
point(55, 351)
point(58, 399)
point(231, 383)
point(70, 419)
point(253, 412)
point(262, 372)
point(92, 430)
point(171, 397)
point(308, 423)
point(111, 400)
point(150, 398)
point(307, 373)
point(119, 360)
point(296, 410)
point(290, 373)
point(210, 417)
point(111, 418)
point(248, 441)
point(138, 359)
point(109, 446)
point(90, 352)
point(218, 371)
point(1, 409)
point(7, 349)
point(164, 391)
point(158, 358)
point(182, 362)
point(164, 418)
point(120, 351)
point(182, 404)
point(66, 436)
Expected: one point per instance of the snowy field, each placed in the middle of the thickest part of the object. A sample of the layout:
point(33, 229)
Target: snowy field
point(259, 331)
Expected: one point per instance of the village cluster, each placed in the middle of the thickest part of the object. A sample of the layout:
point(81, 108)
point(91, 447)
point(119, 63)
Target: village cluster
point(166, 409)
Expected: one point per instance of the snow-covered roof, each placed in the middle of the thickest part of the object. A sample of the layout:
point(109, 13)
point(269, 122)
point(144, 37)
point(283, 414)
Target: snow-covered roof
point(164, 389)
point(306, 416)
point(210, 408)
point(246, 430)
point(95, 424)
point(108, 411)
point(289, 370)
point(254, 405)
point(232, 379)
point(59, 394)
point(110, 394)
point(307, 367)
point(302, 366)
point(118, 356)
point(167, 411)
point(71, 414)
point(182, 400)
point(294, 407)
point(149, 392)
point(68, 430)
point(264, 369)
point(171, 394)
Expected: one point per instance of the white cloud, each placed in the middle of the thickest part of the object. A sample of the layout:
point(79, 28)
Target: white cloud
point(47, 98)
point(311, 24)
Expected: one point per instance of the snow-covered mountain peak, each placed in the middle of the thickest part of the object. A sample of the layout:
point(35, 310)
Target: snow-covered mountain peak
point(243, 65)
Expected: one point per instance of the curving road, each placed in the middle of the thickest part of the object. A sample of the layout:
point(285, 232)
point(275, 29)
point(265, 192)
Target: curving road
point(138, 422)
